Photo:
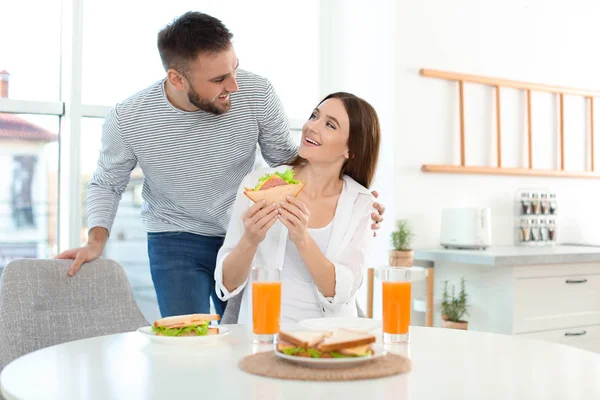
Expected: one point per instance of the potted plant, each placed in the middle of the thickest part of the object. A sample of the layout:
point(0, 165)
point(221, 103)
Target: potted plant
point(402, 254)
point(454, 307)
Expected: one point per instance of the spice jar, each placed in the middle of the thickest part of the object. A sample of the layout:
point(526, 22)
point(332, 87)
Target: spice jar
point(535, 231)
point(525, 230)
point(525, 203)
point(552, 204)
point(544, 204)
point(543, 230)
point(551, 230)
point(535, 204)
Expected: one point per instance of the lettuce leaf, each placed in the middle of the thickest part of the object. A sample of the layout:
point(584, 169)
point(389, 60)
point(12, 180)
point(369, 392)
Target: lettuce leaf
point(201, 330)
point(314, 353)
point(287, 176)
point(293, 350)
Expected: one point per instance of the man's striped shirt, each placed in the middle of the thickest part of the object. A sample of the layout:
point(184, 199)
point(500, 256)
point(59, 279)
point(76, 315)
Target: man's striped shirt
point(193, 162)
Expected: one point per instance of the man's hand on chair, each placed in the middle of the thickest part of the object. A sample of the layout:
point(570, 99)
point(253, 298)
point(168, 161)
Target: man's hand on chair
point(91, 251)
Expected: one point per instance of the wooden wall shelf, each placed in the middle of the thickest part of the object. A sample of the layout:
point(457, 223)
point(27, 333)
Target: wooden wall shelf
point(528, 87)
point(556, 173)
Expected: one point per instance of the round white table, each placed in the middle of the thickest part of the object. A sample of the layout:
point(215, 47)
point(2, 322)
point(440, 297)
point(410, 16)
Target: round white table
point(447, 364)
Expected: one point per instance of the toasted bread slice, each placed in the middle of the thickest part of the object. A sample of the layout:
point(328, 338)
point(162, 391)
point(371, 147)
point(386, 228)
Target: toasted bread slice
point(275, 194)
point(346, 339)
point(179, 321)
point(184, 324)
point(304, 339)
point(213, 331)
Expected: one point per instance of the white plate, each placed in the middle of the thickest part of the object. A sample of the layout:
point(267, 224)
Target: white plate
point(332, 362)
point(147, 331)
point(332, 324)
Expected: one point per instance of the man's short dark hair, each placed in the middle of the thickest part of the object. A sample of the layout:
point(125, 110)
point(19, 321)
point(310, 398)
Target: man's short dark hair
point(188, 36)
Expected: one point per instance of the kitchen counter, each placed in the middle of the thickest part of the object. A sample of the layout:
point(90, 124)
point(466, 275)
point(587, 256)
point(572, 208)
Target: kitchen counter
point(510, 255)
point(545, 293)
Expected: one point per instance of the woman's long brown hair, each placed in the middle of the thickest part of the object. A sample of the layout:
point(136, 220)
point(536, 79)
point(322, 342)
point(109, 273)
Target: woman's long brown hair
point(363, 140)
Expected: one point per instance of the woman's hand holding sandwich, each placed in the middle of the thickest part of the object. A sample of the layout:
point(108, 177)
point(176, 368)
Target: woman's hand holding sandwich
point(294, 215)
point(257, 221)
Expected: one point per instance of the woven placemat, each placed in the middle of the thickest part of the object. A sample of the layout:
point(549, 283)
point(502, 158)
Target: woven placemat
point(268, 364)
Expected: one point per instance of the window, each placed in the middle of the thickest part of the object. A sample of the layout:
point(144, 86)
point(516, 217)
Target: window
point(127, 244)
point(267, 44)
point(28, 186)
point(30, 50)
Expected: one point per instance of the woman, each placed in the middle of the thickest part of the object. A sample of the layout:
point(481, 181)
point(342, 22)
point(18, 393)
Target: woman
point(320, 239)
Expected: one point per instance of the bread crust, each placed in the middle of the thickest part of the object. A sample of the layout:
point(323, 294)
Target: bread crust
point(361, 340)
point(291, 339)
point(275, 194)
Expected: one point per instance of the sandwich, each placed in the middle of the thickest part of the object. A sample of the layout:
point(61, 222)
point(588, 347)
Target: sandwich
point(274, 188)
point(343, 343)
point(186, 325)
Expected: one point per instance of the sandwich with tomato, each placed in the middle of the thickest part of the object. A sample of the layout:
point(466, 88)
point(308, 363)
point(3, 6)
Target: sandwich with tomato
point(343, 343)
point(275, 187)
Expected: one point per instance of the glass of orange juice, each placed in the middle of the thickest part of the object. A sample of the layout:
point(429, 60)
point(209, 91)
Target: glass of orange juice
point(266, 303)
point(396, 288)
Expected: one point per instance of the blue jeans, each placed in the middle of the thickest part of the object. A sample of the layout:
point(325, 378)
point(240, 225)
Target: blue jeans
point(182, 267)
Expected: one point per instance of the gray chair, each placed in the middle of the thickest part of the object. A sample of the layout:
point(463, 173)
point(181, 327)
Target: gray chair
point(41, 306)
point(232, 311)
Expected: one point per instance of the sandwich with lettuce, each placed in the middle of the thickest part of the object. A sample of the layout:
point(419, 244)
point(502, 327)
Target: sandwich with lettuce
point(275, 187)
point(343, 343)
point(186, 325)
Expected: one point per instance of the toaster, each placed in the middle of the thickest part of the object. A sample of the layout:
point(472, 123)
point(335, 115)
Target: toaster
point(466, 228)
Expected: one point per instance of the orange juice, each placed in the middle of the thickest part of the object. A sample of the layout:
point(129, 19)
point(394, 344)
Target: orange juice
point(396, 307)
point(266, 307)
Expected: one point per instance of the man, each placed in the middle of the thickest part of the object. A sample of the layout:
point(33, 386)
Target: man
point(194, 135)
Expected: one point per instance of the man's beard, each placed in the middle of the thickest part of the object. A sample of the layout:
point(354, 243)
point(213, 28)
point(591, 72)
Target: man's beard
point(207, 105)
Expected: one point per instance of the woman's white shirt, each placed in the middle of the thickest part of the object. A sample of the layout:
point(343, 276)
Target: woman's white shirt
point(347, 247)
point(300, 301)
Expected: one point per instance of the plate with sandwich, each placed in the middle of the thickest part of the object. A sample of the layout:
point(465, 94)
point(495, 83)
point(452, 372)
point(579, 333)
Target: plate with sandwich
point(326, 349)
point(185, 329)
point(275, 187)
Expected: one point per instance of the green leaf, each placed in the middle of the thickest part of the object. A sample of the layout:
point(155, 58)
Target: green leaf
point(402, 236)
point(454, 307)
point(201, 330)
point(314, 353)
point(293, 350)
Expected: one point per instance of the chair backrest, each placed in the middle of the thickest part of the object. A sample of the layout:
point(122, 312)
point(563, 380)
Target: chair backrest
point(232, 310)
point(41, 306)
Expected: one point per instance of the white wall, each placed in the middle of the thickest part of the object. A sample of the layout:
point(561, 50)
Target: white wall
point(358, 55)
point(551, 42)
point(377, 51)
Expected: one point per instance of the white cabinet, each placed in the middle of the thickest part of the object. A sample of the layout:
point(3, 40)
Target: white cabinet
point(555, 302)
point(585, 337)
